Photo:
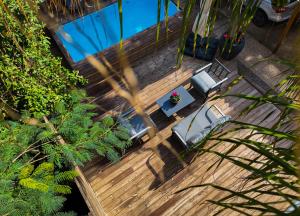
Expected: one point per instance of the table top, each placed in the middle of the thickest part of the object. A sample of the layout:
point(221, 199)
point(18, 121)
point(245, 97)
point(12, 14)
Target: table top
point(168, 107)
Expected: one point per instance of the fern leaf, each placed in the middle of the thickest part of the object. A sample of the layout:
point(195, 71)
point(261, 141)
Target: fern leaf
point(66, 176)
point(112, 140)
point(62, 189)
point(123, 135)
point(45, 135)
point(101, 149)
point(77, 96)
point(44, 168)
point(60, 108)
point(108, 121)
point(26, 171)
point(112, 155)
point(33, 184)
point(50, 204)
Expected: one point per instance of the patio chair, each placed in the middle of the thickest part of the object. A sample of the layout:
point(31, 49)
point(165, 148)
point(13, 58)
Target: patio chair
point(134, 123)
point(210, 78)
point(195, 127)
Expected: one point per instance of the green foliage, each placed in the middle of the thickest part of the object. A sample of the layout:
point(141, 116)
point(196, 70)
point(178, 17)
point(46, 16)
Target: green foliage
point(279, 3)
point(28, 187)
point(43, 178)
point(33, 163)
point(30, 77)
point(31, 190)
point(85, 137)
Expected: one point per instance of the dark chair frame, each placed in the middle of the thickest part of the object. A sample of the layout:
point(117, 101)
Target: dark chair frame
point(131, 113)
point(219, 71)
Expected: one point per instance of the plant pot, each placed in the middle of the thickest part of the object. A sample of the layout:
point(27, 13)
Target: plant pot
point(208, 49)
point(228, 52)
point(174, 101)
point(205, 48)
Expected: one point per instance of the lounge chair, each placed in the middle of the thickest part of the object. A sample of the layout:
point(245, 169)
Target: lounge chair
point(134, 123)
point(210, 78)
point(195, 127)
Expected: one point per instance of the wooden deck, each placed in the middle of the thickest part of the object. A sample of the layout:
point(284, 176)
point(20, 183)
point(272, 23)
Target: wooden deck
point(144, 182)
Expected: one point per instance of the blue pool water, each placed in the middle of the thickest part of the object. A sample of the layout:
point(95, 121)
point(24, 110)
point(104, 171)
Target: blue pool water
point(101, 29)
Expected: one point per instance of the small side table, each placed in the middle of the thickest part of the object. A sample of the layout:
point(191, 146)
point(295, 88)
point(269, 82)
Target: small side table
point(168, 107)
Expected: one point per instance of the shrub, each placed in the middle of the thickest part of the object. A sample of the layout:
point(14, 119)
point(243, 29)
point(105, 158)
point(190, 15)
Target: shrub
point(31, 78)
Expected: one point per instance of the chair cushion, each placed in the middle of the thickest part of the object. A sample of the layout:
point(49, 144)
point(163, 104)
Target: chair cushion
point(199, 136)
point(202, 82)
point(124, 122)
point(195, 122)
point(137, 123)
point(220, 121)
point(134, 124)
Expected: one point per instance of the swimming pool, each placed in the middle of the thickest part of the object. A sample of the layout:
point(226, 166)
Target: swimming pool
point(100, 30)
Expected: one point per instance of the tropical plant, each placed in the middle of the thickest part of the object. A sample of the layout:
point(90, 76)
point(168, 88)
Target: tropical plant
point(31, 78)
point(82, 135)
point(240, 17)
point(241, 13)
point(33, 160)
point(28, 183)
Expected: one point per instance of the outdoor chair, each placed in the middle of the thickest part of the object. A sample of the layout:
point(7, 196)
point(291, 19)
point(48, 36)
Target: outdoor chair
point(194, 128)
point(210, 78)
point(134, 123)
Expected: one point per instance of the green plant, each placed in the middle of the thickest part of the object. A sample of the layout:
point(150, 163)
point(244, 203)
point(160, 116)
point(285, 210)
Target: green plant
point(240, 18)
point(29, 185)
point(31, 78)
point(33, 179)
point(175, 97)
point(82, 135)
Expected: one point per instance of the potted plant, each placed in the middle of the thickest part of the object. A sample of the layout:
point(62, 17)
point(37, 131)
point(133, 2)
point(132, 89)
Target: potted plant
point(175, 97)
point(232, 41)
point(230, 47)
